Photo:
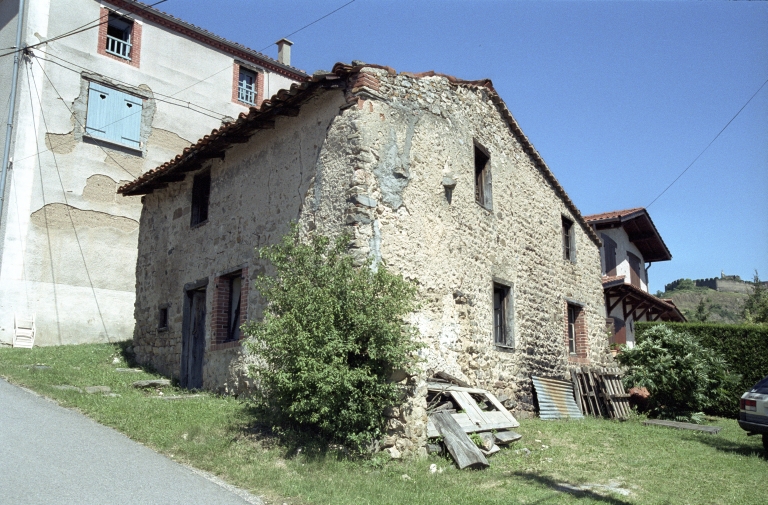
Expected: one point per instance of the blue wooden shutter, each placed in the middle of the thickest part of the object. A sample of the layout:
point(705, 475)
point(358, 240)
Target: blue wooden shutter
point(114, 115)
point(130, 111)
point(98, 110)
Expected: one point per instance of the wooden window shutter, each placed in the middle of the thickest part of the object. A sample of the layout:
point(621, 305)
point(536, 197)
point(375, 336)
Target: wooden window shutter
point(113, 115)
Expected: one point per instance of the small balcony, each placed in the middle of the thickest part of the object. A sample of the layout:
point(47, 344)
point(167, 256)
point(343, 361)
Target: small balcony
point(119, 48)
point(246, 93)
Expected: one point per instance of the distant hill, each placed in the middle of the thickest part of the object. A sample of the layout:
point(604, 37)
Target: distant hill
point(723, 306)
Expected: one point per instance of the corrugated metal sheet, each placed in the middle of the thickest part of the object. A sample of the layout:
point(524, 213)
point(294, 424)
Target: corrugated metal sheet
point(556, 399)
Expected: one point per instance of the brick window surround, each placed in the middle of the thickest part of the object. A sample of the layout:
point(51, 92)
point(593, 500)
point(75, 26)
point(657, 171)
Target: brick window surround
point(580, 328)
point(222, 298)
point(101, 47)
point(259, 84)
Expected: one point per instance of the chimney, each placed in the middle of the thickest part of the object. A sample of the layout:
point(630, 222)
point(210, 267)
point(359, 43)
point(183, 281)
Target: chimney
point(284, 51)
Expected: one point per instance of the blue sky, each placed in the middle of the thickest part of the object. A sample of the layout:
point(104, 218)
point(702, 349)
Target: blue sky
point(618, 97)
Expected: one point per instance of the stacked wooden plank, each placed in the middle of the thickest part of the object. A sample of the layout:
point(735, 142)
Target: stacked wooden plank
point(600, 392)
point(456, 411)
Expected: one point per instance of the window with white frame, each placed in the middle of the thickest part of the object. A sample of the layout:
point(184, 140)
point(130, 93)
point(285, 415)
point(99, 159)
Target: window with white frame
point(114, 116)
point(119, 31)
point(246, 87)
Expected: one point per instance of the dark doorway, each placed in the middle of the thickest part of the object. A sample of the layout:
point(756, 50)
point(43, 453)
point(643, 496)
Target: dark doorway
point(193, 339)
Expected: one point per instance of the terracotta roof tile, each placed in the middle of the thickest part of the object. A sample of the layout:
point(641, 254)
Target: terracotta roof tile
point(610, 279)
point(612, 214)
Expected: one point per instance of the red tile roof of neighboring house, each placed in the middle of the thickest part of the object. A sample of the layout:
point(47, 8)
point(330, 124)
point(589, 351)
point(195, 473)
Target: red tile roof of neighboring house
point(640, 230)
point(613, 214)
point(613, 278)
point(202, 35)
point(288, 102)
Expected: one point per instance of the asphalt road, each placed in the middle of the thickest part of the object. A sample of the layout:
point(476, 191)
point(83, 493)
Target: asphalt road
point(52, 455)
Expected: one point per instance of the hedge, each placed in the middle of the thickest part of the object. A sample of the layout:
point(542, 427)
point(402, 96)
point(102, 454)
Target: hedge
point(743, 346)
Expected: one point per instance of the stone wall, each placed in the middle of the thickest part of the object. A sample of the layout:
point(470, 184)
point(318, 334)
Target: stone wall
point(256, 191)
point(373, 161)
point(408, 134)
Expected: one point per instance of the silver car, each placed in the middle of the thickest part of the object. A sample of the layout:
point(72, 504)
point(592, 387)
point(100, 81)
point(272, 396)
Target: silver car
point(753, 411)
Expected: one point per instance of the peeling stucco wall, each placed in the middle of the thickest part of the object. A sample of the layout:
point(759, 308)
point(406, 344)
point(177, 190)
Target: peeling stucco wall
point(373, 164)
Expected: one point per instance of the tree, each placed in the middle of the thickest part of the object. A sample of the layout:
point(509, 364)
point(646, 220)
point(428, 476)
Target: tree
point(685, 284)
point(682, 376)
point(330, 338)
point(756, 305)
point(702, 313)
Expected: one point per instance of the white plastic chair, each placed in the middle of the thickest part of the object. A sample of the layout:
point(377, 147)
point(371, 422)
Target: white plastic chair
point(23, 331)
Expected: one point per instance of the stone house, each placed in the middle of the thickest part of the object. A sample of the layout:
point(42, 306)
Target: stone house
point(431, 175)
point(629, 241)
point(108, 90)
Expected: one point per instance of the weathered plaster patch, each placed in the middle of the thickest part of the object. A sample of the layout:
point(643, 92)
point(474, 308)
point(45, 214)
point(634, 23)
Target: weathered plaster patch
point(393, 172)
point(167, 140)
point(103, 189)
point(133, 165)
point(61, 143)
point(61, 216)
point(100, 189)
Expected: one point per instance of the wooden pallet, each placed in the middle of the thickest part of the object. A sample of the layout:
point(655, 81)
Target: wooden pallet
point(600, 392)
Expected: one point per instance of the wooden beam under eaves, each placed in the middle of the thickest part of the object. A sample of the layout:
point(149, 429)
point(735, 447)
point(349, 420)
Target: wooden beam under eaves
point(615, 304)
point(237, 139)
point(174, 177)
point(287, 111)
point(210, 156)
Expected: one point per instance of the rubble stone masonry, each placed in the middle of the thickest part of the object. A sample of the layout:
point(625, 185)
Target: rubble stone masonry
point(391, 161)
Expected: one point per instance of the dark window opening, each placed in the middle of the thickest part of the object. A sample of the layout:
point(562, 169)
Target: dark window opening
point(573, 316)
point(201, 193)
point(233, 312)
point(569, 249)
point(162, 320)
point(634, 269)
point(609, 255)
point(119, 31)
point(503, 314)
point(483, 178)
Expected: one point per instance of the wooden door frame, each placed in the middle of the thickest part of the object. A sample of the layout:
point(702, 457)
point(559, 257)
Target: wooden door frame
point(189, 290)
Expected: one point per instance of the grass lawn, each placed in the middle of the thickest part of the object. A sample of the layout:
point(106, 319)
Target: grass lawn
point(213, 433)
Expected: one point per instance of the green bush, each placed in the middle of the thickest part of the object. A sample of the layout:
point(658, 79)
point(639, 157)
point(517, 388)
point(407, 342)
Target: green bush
point(682, 376)
point(743, 346)
point(330, 338)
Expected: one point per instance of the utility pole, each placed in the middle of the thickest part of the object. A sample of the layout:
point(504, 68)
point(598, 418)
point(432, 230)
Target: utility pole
point(11, 108)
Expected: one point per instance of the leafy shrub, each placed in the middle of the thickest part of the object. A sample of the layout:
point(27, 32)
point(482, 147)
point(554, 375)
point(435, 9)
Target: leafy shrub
point(743, 346)
point(682, 376)
point(330, 337)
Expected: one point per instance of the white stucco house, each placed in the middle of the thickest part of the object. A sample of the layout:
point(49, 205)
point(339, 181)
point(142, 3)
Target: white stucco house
point(630, 243)
point(105, 91)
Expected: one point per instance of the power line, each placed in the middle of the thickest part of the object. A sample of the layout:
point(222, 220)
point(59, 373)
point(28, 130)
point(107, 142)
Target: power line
point(74, 31)
point(710, 143)
point(66, 202)
point(85, 133)
point(44, 208)
point(313, 22)
point(154, 93)
point(229, 66)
